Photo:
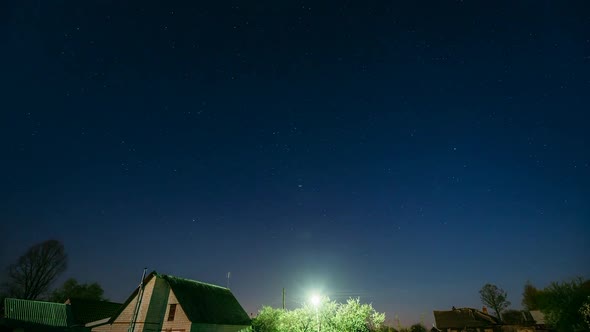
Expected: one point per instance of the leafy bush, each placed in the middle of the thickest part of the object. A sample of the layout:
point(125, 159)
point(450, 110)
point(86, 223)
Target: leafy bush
point(328, 316)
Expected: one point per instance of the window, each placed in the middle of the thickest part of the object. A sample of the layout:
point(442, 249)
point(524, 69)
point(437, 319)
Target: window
point(171, 312)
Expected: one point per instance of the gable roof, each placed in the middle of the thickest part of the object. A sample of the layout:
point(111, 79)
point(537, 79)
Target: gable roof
point(538, 317)
point(202, 302)
point(463, 317)
point(207, 303)
point(87, 311)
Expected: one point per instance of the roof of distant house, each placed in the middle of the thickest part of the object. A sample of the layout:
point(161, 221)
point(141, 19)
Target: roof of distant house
point(38, 312)
point(463, 317)
point(538, 317)
point(86, 311)
point(517, 317)
point(48, 315)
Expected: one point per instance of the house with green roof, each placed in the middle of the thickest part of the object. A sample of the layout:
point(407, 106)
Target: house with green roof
point(76, 315)
point(173, 304)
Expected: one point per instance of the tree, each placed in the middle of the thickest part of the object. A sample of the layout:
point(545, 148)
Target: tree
point(267, 320)
point(417, 328)
point(530, 297)
point(34, 272)
point(561, 303)
point(328, 316)
point(354, 316)
point(72, 289)
point(495, 298)
point(585, 311)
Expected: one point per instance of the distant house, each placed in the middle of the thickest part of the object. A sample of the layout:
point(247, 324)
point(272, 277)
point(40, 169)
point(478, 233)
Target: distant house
point(473, 320)
point(517, 317)
point(465, 319)
point(539, 319)
point(39, 316)
point(174, 304)
point(91, 313)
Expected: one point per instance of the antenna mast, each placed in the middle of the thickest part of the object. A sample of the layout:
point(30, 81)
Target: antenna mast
point(138, 303)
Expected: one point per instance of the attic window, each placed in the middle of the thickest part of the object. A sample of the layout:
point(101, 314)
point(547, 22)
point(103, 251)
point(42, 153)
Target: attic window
point(171, 312)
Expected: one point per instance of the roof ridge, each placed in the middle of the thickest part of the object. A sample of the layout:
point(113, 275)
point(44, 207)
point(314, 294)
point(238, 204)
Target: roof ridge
point(192, 280)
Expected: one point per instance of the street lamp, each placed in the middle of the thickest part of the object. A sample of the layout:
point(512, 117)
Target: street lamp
point(316, 300)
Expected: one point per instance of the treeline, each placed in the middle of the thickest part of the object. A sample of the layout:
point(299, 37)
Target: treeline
point(566, 305)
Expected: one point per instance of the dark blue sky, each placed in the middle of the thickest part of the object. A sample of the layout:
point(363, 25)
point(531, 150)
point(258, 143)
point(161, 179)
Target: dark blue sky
point(403, 153)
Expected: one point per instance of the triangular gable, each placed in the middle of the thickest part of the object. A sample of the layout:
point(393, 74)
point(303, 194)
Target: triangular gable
point(126, 310)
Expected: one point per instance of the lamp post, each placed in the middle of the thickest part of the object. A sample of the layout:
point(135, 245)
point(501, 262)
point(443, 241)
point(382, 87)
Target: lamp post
point(316, 300)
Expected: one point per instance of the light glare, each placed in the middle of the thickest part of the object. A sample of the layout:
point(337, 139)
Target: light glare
point(315, 300)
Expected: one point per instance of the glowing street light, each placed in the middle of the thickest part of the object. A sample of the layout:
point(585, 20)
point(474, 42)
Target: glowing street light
point(316, 300)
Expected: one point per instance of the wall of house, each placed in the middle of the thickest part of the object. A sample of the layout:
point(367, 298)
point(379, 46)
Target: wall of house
point(158, 307)
point(121, 324)
point(181, 323)
point(516, 328)
point(473, 329)
point(217, 328)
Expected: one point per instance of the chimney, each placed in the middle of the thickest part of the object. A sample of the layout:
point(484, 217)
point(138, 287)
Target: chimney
point(484, 310)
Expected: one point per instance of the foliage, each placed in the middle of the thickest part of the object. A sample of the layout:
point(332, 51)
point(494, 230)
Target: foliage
point(418, 328)
point(585, 311)
point(328, 316)
point(495, 298)
point(72, 289)
point(561, 303)
point(530, 297)
point(354, 316)
point(268, 319)
point(34, 272)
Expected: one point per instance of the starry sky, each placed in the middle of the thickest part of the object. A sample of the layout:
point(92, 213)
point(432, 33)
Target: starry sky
point(402, 152)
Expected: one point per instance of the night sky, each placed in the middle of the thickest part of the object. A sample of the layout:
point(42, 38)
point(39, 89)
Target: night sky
point(403, 152)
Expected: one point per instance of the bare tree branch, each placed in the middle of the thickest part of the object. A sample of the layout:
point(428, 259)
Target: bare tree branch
point(495, 298)
point(35, 271)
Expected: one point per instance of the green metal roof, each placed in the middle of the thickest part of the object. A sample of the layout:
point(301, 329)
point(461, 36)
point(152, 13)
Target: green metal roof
point(87, 311)
point(38, 312)
point(206, 303)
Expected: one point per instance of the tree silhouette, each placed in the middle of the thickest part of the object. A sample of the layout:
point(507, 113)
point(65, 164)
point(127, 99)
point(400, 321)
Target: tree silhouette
point(495, 298)
point(34, 272)
point(71, 289)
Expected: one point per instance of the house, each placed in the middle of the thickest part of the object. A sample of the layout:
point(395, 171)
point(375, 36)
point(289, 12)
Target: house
point(468, 319)
point(92, 313)
point(465, 319)
point(539, 319)
point(72, 316)
point(173, 304)
point(517, 317)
